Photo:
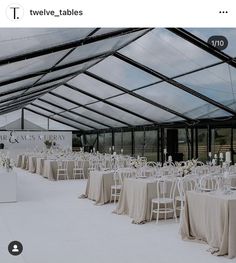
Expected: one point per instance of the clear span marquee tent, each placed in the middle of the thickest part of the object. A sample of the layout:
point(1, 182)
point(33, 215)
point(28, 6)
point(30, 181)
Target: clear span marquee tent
point(94, 80)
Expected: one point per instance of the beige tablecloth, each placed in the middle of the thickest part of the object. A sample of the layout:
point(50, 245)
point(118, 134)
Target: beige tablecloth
point(99, 186)
point(50, 169)
point(18, 160)
point(211, 217)
point(32, 164)
point(25, 162)
point(136, 197)
point(40, 165)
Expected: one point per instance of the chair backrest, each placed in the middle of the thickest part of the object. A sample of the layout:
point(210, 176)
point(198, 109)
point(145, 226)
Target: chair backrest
point(79, 164)
point(184, 184)
point(62, 165)
point(169, 164)
point(117, 178)
point(151, 164)
point(127, 172)
point(166, 188)
point(210, 182)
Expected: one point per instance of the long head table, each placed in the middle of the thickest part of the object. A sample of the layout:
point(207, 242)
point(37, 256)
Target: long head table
point(45, 166)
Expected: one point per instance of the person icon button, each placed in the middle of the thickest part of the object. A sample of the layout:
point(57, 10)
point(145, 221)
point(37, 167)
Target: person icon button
point(15, 248)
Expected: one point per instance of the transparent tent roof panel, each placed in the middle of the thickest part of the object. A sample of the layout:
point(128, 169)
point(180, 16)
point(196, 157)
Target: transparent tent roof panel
point(55, 125)
point(119, 114)
point(29, 66)
point(68, 122)
point(122, 73)
point(39, 110)
point(167, 53)
point(59, 101)
point(172, 97)
point(52, 85)
point(93, 86)
point(15, 41)
point(36, 119)
point(48, 106)
point(206, 33)
point(74, 95)
point(143, 108)
point(9, 117)
point(19, 84)
point(218, 83)
point(100, 47)
point(9, 96)
point(70, 70)
point(83, 120)
point(98, 117)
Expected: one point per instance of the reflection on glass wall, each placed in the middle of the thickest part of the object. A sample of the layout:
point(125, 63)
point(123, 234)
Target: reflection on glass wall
point(220, 140)
point(90, 142)
point(76, 142)
point(108, 142)
point(202, 145)
point(101, 142)
point(127, 142)
point(139, 143)
point(150, 147)
point(118, 142)
point(184, 143)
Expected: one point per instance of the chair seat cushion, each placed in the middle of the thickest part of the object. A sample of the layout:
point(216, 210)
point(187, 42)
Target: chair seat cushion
point(116, 187)
point(162, 200)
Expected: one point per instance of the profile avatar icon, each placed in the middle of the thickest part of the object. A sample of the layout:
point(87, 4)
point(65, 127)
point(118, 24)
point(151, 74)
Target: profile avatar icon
point(15, 248)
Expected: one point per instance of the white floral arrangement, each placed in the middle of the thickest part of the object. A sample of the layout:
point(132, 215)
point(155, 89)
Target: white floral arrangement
point(136, 163)
point(190, 165)
point(6, 162)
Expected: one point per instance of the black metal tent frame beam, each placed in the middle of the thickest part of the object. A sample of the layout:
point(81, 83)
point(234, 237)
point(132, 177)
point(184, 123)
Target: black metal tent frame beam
point(13, 108)
point(38, 84)
point(173, 82)
point(101, 56)
point(110, 103)
point(75, 63)
point(65, 110)
point(28, 97)
point(51, 118)
point(60, 115)
point(45, 89)
point(71, 75)
point(203, 45)
point(8, 92)
point(72, 112)
point(58, 62)
point(87, 108)
point(126, 91)
point(50, 70)
point(182, 75)
point(69, 45)
point(13, 104)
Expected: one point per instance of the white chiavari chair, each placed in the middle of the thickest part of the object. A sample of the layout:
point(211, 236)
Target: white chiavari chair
point(116, 187)
point(62, 170)
point(78, 170)
point(164, 203)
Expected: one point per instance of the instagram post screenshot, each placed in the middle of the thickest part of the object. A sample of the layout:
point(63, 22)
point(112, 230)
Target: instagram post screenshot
point(117, 131)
